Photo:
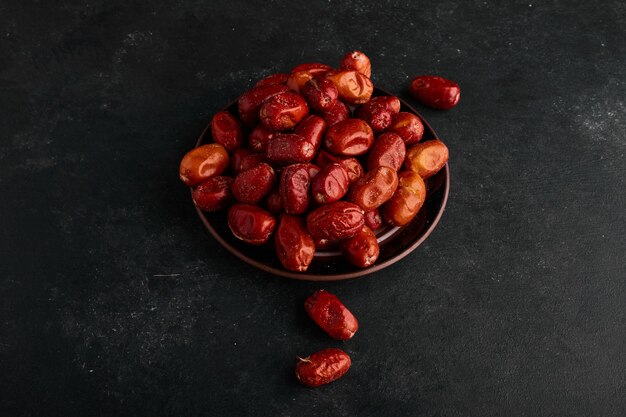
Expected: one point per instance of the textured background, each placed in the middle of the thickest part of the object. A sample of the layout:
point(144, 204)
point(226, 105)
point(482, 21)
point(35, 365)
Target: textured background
point(515, 306)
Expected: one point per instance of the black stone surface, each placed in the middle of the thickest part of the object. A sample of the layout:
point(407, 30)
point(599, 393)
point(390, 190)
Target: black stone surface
point(115, 300)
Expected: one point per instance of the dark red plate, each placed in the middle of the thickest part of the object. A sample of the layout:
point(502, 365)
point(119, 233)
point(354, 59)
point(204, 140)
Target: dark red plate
point(395, 243)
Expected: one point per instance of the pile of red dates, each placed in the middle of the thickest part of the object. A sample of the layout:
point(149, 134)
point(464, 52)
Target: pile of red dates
point(315, 161)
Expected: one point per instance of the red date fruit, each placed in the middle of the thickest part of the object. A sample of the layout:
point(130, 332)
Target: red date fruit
point(301, 74)
point(226, 130)
point(250, 223)
point(361, 250)
point(357, 61)
point(259, 138)
point(312, 128)
point(350, 137)
point(331, 315)
point(374, 188)
point(274, 79)
point(294, 245)
point(283, 111)
point(378, 112)
point(353, 87)
point(353, 168)
point(203, 162)
point(408, 126)
point(213, 194)
point(373, 219)
point(289, 148)
point(273, 201)
point(324, 158)
point(335, 221)
point(295, 181)
point(436, 92)
point(252, 185)
point(320, 93)
point(250, 102)
point(402, 207)
point(250, 161)
point(331, 184)
point(336, 114)
point(322, 367)
point(236, 158)
point(427, 158)
point(414, 182)
point(388, 150)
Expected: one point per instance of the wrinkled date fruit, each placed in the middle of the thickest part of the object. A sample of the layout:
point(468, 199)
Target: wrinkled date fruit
point(353, 168)
point(388, 150)
point(353, 87)
point(250, 101)
point(312, 129)
point(414, 182)
point(322, 367)
point(252, 185)
point(259, 138)
point(378, 112)
point(226, 131)
point(335, 221)
point(408, 126)
point(402, 207)
point(358, 61)
point(331, 184)
point(289, 148)
point(203, 162)
point(373, 219)
point(331, 315)
point(301, 74)
point(213, 194)
point(273, 79)
point(336, 114)
point(436, 92)
point(427, 158)
point(250, 223)
point(283, 111)
point(350, 137)
point(361, 250)
point(374, 188)
point(320, 93)
point(294, 188)
point(294, 245)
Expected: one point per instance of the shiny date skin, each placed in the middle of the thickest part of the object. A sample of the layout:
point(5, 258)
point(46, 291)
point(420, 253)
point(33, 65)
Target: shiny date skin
point(273, 202)
point(413, 182)
point(358, 61)
point(378, 112)
point(402, 207)
point(289, 148)
point(361, 250)
point(352, 166)
point(320, 93)
point(283, 111)
point(202, 163)
point(335, 221)
point(295, 181)
point(294, 246)
point(259, 138)
point(331, 315)
point(226, 130)
point(302, 73)
point(353, 87)
point(213, 194)
point(436, 92)
point(331, 184)
point(374, 188)
point(336, 114)
point(427, 158)
point(250, 102)
point(351, 137)
point(312, 129)
point(252, 185)
point(408, 126)
point(388, 150)
point(250, 223)
point(373, 219)
point(322, 367)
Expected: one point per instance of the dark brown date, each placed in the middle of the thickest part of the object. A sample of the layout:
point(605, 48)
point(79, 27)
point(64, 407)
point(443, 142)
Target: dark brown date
point(250, 223)
point(331, 184)
point(294, 245)
point(213, 194)
point(374, 188)
point(388, 150)
point(335, 221)
point(350, 137)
